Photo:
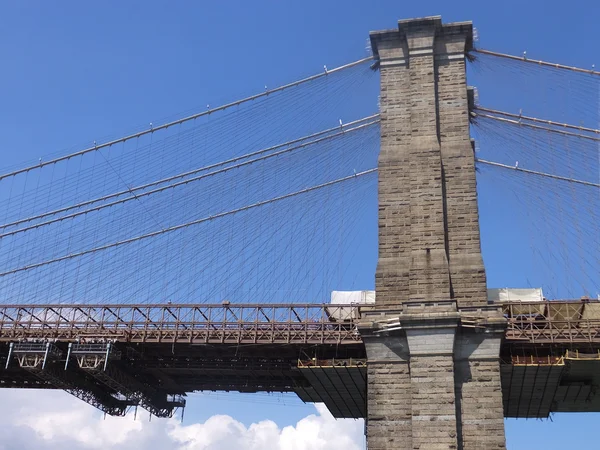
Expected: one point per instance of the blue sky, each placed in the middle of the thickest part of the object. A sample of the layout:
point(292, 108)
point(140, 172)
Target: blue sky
point(75, 72)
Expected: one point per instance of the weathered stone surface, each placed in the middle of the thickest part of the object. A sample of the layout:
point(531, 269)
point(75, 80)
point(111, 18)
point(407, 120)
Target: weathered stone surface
point(429, 245)
point(431, 383)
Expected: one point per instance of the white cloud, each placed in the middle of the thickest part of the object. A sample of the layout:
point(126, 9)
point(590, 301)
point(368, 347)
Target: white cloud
point(54, 420)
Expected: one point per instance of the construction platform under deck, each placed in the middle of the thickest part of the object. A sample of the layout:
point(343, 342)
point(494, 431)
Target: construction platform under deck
point(116, 357)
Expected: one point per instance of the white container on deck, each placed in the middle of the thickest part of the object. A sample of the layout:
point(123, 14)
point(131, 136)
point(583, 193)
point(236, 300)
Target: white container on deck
point(348, 313)
point(503, 295)
point(516, 295)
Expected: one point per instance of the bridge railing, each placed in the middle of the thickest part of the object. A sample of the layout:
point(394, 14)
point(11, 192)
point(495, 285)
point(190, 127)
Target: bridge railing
point(556, 321)
point(568, 321)
point(223, 323)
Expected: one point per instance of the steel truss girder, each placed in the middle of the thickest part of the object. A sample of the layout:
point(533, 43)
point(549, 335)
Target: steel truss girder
point(95, 360)
point(553, 322)
point(33, 355)
point(76, 386)
point(572, 321)
point(234, 324)
point(241, 383)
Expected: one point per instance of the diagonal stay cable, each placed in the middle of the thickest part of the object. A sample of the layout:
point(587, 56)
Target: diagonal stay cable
point(535, 172)
point(535, 119)
point(347, 127)
point(134, 196)
point(189, 180)
point(536, 62)
point(536, 127)
point(187, 224)
point(186, 119)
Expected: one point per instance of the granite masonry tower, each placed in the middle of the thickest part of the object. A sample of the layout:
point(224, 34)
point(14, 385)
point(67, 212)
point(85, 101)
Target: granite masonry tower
point(432, 340)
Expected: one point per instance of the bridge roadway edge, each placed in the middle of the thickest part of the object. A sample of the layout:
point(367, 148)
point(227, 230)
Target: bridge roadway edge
point(550, 352)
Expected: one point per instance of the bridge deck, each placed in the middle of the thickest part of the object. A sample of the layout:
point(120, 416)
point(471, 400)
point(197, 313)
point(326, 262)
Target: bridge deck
point(194, 324)
point(114, 356)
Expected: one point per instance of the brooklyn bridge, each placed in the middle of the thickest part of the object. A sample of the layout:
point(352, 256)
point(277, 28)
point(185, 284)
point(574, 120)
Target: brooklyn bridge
point(214, 251)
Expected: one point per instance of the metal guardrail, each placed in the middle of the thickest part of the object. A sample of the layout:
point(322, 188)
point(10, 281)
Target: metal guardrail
point(547, 322)
point(553, 322)
point(181, 323)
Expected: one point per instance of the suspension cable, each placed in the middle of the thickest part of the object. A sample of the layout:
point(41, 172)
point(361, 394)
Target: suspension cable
point(535, 119)
point(186, 119)
point(345, 128)
point(187, 224)
point(535, 61)
point(534, 172)
point(536, 127)
point(186, 181)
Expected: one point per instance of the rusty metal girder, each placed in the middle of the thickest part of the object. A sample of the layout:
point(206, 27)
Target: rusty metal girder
point(553, 322)
point(77, 386)
point(548, 322)
point(210, 324)
point(98, 360)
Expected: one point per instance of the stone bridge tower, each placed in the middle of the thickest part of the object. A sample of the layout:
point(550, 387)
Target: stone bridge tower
point(432, 340)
